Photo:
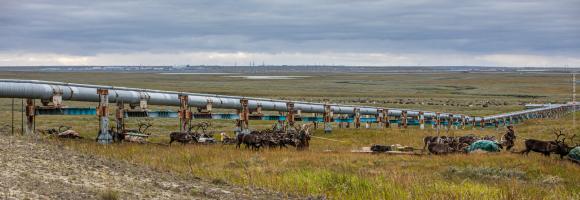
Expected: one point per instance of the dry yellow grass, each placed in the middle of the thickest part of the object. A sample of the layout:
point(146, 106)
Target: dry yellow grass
point(343, 175)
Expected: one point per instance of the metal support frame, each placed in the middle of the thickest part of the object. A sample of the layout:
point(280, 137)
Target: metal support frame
point(327, 115)
point(380, 117)
point(184, 113)
point(463, 121)
point(421, 120)
point(315, 123)
point(104, 136)
point(386, 116)
point(242, 124)
point(357, 117)
point(438, 120)
point(259, 110)
point(30, 116)
point(403, 119)
point(120, 118)
point(290, 114)
point(450, 122)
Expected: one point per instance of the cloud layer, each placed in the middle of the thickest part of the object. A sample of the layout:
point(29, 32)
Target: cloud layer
point(370, 32)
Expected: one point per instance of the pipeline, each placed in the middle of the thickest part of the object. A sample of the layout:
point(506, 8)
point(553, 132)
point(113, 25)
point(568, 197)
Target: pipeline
point(57, 91)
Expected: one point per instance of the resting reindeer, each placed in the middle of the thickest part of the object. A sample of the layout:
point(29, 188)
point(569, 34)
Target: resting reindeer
point(180, 137)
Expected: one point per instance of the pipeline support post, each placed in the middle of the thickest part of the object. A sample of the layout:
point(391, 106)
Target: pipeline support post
point(30, 112)
point(368, 122)
point(259, 110)
point(379, 117)
point(404, 118)
point(421, 120)
point(184, 113)
point(327, 118)
point(243, 122)
point(104, 136)
point(450, 122)
point(437, 121)
point(120, 119)
point(315, 123)
point(462, 121)
point(357, 117)
point(290, 114)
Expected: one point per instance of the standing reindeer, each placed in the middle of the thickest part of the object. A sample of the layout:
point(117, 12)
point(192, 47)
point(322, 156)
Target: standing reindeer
point(547, 147)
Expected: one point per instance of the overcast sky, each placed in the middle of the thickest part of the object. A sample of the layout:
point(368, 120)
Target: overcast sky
point(341, 32)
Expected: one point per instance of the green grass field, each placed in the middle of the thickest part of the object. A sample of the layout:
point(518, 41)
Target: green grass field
point(328, 168)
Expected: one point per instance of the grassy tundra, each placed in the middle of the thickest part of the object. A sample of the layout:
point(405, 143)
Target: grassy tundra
point(328, 168)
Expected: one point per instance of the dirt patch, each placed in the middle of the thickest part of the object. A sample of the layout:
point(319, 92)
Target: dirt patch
point(31, 169)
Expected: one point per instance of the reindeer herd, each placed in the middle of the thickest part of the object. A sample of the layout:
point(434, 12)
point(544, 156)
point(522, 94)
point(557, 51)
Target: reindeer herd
point(449, 144)
point(298, 136)
point(440, 145)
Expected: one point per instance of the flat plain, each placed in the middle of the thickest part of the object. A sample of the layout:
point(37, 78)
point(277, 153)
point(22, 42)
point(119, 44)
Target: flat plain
point(328, 169)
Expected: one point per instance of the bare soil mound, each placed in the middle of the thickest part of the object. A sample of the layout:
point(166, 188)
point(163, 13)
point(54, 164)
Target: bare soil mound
point(32, 169)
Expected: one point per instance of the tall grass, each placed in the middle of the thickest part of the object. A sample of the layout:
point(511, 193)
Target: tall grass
point(340, 174)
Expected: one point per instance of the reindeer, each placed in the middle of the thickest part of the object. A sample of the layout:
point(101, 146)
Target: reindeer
point(251, 140)
point(180, 137)
point(547, 147)
point(439, 148)
point(303, 137)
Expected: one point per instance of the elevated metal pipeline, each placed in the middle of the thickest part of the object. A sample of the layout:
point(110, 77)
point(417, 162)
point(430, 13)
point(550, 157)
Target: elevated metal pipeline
point(46, 90)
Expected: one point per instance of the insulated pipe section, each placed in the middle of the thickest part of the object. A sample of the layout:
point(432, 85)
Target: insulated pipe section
point(81, 92)
point(88, 93)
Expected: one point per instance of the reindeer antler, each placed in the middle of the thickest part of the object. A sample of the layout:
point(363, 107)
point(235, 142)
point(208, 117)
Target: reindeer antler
point(571, 139)
point(558, 133)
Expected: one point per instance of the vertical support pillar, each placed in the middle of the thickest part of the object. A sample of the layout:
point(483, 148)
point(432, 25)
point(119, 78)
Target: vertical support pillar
point(104, 136)
point(437, 121)
point(421, 120)
point(450, 122)
point(368, 122)
point(30, 116)
point(462, 121)
point(482, 123)
point(379, 117)
point(315, 122)
point(290, 114)
point(327, 118)
point(244, 117)
point(404, 118)
point(357, 117)
point(473, 123)
point(184, 113)
point(120, 118)
point(209, 107)
point(386, 120)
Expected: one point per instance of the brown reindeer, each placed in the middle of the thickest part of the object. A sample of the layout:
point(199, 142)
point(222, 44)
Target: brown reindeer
point(250, 140)
point(180, 137)
point(547, 147)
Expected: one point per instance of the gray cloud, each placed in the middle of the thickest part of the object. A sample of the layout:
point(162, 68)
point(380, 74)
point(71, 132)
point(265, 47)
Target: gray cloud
point(262, 26)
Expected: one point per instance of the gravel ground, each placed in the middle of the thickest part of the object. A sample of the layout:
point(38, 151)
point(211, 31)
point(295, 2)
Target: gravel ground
point(31, 169)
